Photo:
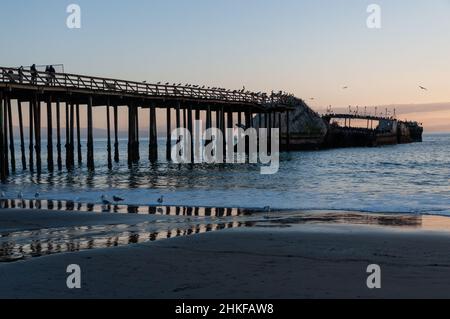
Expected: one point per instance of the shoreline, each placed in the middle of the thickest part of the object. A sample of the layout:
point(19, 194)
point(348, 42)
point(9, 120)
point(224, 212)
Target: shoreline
point(273, 258)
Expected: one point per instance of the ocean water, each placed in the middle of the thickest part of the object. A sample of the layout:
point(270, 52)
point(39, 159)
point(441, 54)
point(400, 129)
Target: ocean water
point(413, 178)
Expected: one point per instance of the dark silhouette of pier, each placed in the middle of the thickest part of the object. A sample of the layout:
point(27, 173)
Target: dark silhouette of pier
point(49, 92)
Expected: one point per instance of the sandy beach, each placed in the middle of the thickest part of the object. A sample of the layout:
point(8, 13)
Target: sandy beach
point(269, 260)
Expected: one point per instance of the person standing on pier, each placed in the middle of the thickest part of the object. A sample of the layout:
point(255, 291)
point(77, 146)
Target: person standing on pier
point(21, 74)
point(33, 72)
point(52, 75)
point(47, 74)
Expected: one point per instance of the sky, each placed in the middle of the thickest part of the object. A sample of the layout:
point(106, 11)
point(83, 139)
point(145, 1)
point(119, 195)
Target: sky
point(311, 48)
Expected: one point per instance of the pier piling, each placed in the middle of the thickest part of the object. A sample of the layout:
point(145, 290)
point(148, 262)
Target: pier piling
point(22, 138)
point(80, 155)
point(90, 137)
point(108, 129)
point(2, 151)
point(169, 133)
point(31, 134)
point(11, 137)
point(116, 135)
point(58, 134)
point(153, 145)
point(49, 136)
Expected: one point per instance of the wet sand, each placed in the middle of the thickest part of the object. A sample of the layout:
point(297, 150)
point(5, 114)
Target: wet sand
point(281, 259)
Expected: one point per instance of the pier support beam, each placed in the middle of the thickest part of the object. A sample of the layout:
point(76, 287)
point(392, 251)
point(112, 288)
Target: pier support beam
point(230, 137)
point(72, 135)
point(2, 150)
point(116, 135)
point(31, 134)
point(153, 145)
point(5, 134)
point(49, 136)
point(288, 132)
point(108, 129)
point(22, 138)
point(80, 155)
point(133, 143)
point(222, 128)
point(169, 135)
point(191, 131)
point(90, 137)
point(67, 145)
point(37, 135)
point(58, 134)
point(11, 137)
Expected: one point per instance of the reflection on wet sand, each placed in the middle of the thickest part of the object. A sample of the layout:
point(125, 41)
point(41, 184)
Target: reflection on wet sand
point(371, 219)
point(124, 209)
point(26, 244)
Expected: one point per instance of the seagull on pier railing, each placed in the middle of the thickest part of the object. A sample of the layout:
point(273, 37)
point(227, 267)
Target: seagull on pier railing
point(161, 200)
point(423, 88)
point(242, 126)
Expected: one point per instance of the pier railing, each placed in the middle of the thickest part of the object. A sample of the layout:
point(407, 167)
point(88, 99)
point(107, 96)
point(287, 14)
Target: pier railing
point(74, 81)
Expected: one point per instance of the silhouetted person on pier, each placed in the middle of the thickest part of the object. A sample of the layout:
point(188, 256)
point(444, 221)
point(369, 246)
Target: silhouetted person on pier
point(52, 74)
point(21, 74)
point(11, 76)
point(48, 75)
point(33, 72)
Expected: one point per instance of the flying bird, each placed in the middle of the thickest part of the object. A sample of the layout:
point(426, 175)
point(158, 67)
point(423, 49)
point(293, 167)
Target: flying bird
point(345, 88)
point(423, 88)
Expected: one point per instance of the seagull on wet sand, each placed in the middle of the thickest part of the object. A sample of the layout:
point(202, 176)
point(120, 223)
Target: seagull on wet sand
point(105, 201)
point(118, 199)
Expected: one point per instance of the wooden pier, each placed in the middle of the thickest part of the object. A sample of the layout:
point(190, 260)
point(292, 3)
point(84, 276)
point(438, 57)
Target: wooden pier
point(44, 92)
